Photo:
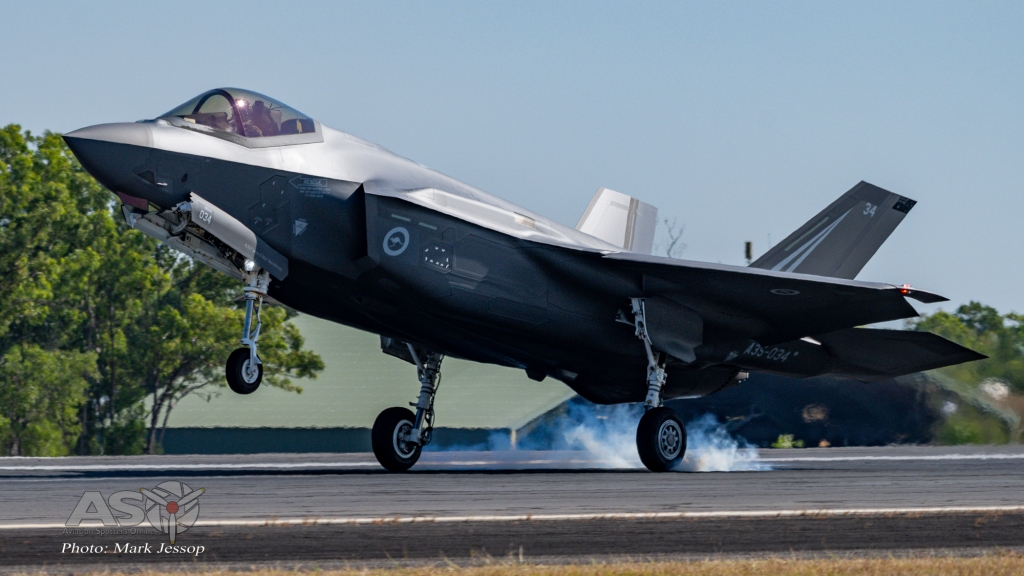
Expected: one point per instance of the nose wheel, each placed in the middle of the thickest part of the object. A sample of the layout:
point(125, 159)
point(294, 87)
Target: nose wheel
point(244, 369)
point(243, 375)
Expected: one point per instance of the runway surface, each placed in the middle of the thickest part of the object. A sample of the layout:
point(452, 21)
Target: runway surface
point(343, 507)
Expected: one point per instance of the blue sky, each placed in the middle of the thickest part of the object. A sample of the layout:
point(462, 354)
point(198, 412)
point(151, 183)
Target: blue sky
point(740, 120)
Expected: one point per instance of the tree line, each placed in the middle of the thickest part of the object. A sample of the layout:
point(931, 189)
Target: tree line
point(982, 328)
point(102, 329)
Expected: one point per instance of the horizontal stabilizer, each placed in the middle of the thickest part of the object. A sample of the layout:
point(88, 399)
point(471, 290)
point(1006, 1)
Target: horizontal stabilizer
point(840, 240)
point(875, 354)
point(620, 220)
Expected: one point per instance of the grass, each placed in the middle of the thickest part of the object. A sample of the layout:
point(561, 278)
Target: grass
point(986, 565)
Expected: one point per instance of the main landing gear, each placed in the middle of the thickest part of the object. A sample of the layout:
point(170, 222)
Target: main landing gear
point(244, 368)
point(661, 436)
point(398, 435)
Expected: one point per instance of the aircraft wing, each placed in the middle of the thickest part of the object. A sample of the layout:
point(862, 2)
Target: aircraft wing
point(768, 306)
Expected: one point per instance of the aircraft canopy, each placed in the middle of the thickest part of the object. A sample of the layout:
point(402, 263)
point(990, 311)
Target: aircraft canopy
point(247, 114)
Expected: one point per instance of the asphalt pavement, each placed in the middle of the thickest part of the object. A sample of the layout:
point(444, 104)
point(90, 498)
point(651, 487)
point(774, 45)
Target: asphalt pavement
point(324, 508)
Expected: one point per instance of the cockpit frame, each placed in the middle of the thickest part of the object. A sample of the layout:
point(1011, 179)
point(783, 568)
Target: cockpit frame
point(240, 138)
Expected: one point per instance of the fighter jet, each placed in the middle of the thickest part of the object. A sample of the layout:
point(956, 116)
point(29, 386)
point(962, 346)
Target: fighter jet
point(344, 229)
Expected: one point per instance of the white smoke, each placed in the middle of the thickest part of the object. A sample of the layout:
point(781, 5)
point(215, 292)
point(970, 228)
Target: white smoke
point(607, 434)
point(710, 448)
point(610, 437)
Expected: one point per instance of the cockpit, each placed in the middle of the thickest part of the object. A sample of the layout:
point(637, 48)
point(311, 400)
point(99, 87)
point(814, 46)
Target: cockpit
point(246, 118)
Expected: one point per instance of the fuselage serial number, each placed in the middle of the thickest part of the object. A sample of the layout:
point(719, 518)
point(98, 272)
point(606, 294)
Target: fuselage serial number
point(774, 353)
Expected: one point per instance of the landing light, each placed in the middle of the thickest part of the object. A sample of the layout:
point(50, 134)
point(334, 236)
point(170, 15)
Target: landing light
point(249, 264)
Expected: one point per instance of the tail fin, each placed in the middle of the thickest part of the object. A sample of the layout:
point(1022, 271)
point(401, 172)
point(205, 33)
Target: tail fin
point(840, 240)
point(620, 220)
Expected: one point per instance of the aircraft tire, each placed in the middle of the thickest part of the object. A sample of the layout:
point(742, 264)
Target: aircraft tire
point(391, 452)
point(238, 361)
point(661, 439)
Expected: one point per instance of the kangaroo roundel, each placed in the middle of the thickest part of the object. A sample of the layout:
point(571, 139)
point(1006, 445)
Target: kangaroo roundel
point(396, 241)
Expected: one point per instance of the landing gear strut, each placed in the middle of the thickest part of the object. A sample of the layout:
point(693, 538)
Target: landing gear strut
point(398, 435)
point(244, 368)
point(661, 436)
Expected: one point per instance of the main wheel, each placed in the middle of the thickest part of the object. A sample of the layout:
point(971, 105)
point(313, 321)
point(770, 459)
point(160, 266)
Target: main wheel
point(661, 439)
point(390, 431)
point(239, 379)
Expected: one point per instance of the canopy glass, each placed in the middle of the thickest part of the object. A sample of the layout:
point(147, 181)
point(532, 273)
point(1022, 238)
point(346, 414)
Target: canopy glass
point(244, 113)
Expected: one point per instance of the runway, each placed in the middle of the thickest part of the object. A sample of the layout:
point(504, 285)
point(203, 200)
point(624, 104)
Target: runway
point(337, 507)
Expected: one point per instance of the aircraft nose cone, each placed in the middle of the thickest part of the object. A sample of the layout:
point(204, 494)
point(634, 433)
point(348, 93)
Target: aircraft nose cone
point(132, 133)
point(109, 152)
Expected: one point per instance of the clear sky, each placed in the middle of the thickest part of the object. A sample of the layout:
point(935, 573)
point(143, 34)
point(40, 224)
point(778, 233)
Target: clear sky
point(741, 120)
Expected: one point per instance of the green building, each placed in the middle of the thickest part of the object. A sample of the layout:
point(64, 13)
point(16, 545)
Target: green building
point(476, 404)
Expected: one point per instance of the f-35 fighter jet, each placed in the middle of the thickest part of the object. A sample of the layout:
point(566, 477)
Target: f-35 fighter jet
point(343, 229)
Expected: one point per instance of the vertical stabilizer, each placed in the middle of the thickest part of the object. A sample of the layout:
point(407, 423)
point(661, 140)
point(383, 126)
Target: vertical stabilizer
point(620, 220)
point(840, 240)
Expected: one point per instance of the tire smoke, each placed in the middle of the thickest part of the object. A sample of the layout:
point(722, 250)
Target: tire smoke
point(610, 437)
point(606, 435)
point(710, 448)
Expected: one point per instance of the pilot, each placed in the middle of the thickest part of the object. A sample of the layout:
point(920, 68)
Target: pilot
point(218, 121)
point(260, 116)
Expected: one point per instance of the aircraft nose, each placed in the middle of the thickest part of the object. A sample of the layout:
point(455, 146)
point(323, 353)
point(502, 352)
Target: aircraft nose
point(110, 151)
point(133, 133)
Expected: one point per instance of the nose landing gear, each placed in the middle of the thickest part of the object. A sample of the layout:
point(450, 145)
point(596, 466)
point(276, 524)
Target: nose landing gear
point(244, 368)
point(661, 436)
point(398, 435)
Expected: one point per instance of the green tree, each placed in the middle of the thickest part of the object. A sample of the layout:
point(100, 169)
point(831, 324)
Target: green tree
point(102, 318)
point(982, 328)
point(49, 213)
point(74, 281)
point(39, 399)
point(49, 209)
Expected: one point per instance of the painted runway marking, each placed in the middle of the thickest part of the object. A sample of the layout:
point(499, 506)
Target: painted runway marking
point(810, 513)
point(275, 466)
point(109, 467)
point(495, 462)
point(897, 458)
